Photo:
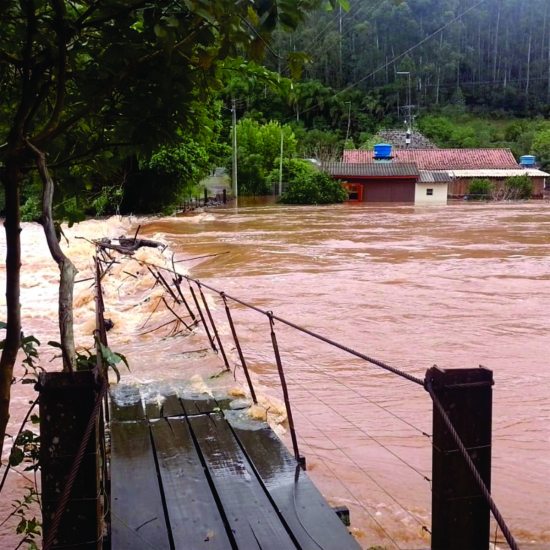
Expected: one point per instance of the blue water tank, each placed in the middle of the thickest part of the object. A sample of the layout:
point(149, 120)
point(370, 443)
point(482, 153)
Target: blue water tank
point(527, 160)
point(382, 151)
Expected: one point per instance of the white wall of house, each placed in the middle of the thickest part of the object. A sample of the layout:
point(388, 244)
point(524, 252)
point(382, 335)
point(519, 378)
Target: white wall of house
point(430, 193)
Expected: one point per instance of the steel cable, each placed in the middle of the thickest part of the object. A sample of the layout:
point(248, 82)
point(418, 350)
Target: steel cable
point(372, 360)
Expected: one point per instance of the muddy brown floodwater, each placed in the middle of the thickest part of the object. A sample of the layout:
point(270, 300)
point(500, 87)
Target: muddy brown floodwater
point(456, 286)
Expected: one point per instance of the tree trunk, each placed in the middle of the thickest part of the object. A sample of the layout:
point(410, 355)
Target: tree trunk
point(67, 270)
point(528, 66)
point(495, 46)
point(11, 179)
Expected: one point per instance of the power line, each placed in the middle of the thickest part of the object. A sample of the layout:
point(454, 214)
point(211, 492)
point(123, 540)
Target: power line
point(409, 50)
point(401, 55)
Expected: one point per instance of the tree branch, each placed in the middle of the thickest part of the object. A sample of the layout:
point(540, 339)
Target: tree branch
point(67, 270)
point(10, 58)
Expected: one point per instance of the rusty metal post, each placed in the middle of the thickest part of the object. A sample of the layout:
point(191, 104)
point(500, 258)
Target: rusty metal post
point(239, 349)
point(300, 459)
point(213, 324)
point(67, 402)
point(460, 511)
point(197, 305)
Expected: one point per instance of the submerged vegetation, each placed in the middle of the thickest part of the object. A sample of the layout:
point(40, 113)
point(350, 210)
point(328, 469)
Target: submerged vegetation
point(307, 185)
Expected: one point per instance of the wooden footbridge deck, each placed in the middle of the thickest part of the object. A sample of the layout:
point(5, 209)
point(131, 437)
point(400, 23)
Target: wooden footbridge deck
point(191, 473)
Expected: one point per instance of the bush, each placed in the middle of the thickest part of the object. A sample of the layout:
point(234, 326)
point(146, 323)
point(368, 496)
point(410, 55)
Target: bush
point(306, 185)
point(480, 189)
point(518, 187)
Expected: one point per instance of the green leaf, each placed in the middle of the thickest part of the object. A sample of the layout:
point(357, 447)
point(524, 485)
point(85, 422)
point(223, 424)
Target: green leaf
point(54, 344)
point(16, 456)
point(117, 372)
point(3, 325)
point(137, 26)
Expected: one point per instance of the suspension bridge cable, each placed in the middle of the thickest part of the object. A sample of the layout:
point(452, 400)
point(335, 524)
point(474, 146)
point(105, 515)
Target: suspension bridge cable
point(370, 401)
point(364, 432)
point(362, 469)
point(304, 330)
point(334, 474)
point(343, 484)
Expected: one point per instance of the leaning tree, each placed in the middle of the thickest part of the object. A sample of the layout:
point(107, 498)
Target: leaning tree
point(80, 77)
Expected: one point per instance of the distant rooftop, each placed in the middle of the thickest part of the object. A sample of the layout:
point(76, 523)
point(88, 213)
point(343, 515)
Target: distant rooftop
point(434, 176)
point(443, 159)
point(380, 169)
point(396, 138)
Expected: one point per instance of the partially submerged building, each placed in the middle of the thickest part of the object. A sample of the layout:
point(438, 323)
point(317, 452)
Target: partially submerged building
point(427, 176)
point(390, 182)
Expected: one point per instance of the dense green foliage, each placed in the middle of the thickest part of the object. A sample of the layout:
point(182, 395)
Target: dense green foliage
point(518, 187)
point(488, 56)
point(513, 188)
point(259, 152)
point(522, 136)
point(480, 189)
point(101, 85)
point(307, 185)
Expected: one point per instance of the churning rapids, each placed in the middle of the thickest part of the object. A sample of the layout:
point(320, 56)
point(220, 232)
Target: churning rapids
point(456, 286)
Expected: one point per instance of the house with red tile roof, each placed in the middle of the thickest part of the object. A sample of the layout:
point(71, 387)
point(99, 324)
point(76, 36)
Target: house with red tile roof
point(444, 159)
point(463, 165)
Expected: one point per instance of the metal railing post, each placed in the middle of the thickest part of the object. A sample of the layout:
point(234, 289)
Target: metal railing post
point(463, 404)
point(239, 349)
point(297, 456)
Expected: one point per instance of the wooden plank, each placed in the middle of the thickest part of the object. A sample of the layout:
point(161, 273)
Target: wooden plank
point(153, 408)
point(312, 520)
point(137, 513)
point(125, 403)
point(172, 406)
point(194, 516)
point(250, 514)
point(199, 405)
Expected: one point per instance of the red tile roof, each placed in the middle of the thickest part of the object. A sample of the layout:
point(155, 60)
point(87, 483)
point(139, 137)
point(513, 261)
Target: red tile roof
point(443, 159)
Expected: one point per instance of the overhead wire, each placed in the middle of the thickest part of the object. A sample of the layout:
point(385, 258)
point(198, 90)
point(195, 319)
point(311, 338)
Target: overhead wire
point(401, 55)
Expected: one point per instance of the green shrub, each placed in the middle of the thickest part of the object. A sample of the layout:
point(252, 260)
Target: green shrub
point(480, 189)
point(518, 187)
point(306, 185)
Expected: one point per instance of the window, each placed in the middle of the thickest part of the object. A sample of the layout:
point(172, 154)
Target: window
point(355, 192)
point(429, 192)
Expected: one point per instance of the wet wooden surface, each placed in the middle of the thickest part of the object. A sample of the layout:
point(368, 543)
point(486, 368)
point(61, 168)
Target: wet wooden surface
point(185, 477)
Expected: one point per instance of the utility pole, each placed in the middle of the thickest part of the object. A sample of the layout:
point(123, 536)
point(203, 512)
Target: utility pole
point(349, 123)
point(409, 107)
point(234, 167)
point(281, 165)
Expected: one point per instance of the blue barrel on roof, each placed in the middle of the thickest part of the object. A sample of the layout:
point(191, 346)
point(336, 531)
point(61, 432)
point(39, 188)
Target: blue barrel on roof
point(527, 160)
point(382, 151)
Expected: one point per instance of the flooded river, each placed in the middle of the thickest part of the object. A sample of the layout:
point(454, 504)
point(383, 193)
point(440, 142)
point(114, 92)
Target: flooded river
point(456, 286)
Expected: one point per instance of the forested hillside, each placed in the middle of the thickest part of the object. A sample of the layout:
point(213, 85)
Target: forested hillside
point(473, 74)
point(494, 55)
